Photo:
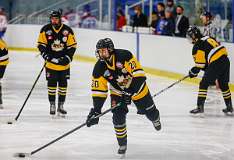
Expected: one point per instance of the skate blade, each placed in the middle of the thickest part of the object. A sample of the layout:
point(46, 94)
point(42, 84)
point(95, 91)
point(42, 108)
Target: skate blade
point(198, 115)
point(53, 116)
point(230, 114)
point(122, 156)
point(61, 115)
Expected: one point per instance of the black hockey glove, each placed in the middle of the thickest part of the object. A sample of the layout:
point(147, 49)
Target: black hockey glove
point(193, 72)
point(45, 56)
point(126, 97)
point(90, 119)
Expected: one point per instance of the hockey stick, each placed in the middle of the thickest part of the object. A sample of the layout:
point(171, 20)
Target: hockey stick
point(22, 155)
point(21, 109)
point(178, 81)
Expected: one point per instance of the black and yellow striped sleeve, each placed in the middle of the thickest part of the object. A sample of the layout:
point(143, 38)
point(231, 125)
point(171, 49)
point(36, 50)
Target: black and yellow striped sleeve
point(138, 74)
point(99, 92)
point(99, 87)
point(134, 67)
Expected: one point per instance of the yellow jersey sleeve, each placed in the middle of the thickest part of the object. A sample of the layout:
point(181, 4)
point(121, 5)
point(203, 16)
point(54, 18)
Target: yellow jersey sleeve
point(71, 41)
point(99, 87)
point(200, 59)
point(42, 38)
point(134, 67)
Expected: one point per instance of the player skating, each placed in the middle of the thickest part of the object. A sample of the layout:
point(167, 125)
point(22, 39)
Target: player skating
point(127, 81)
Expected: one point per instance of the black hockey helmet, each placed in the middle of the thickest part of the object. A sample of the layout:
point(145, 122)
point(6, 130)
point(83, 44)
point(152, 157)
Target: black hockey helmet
point(56, 13)
point(194, 34)
point(104, 43)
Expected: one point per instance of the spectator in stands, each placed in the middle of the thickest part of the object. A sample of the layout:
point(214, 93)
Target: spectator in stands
point(139, 19)
point(3, 22)
point(121, 20)
point(182, 22)
point(155, 20)
point(161, 25)
point(170, 25)
point(160, 8)
point(166, 24)
point(88, 21)
point(171, 7)
point(86, 12)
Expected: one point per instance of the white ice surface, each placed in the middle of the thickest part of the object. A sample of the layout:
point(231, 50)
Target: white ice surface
point(182, 137)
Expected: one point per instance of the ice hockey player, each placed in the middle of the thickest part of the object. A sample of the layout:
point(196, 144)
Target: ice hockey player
point(57, 45)
point(127, 82)
point(211, 57)
point(4, 59)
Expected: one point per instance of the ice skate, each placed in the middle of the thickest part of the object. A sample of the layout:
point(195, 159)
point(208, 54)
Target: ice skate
point(157, 124)
point(60, 111)
point(122, 151)
point(198, 111)
point(228, 110)
point(52, 109)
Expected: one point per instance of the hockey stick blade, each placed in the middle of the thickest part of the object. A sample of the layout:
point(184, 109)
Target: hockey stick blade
point(8, 121)
point(11, 122)
point(21, 155)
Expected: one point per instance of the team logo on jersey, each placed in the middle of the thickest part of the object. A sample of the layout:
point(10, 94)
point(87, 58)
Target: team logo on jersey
point(124, 81)
point(65, 32)
point(49, 32)
point(57, 46)
point(64, 39)
point(119, 65)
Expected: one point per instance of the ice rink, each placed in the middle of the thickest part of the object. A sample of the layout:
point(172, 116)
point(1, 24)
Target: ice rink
point(182, 137)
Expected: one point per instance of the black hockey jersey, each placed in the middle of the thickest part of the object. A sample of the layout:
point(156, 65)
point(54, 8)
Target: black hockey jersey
point(123, 72)
point(206, 51)
point(57, 43)
point(4, 58)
